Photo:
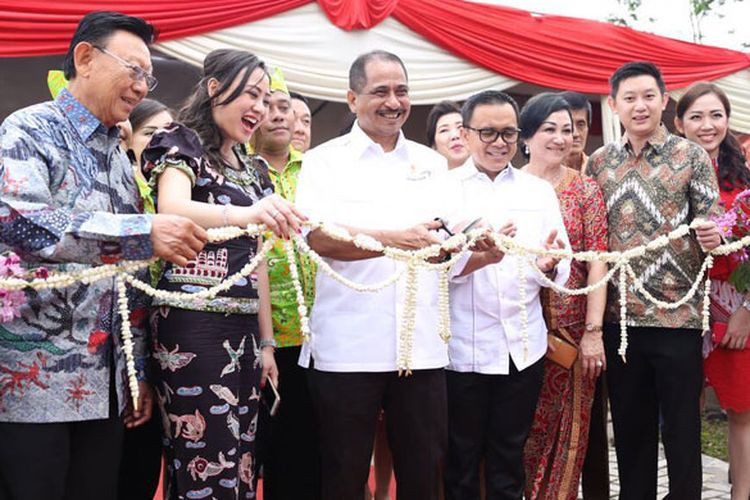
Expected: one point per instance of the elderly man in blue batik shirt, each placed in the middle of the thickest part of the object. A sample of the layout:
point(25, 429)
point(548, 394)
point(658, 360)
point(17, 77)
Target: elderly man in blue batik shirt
point(68, 199)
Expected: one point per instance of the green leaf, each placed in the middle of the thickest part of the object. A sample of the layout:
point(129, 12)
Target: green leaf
point(740, 277)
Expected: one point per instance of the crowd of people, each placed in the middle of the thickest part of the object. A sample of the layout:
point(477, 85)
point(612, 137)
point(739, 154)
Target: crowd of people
point(101, 175)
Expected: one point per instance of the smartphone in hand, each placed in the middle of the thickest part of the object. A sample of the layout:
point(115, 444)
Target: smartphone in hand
point(271, 397)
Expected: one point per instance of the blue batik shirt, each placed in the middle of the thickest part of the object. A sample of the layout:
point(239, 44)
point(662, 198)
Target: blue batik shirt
point(68, 200)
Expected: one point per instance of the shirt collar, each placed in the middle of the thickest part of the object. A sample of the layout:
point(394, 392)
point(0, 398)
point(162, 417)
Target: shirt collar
point(295, 157)
point(361, 142)
point(83, 121)
point(469, 170)
point(657, 139)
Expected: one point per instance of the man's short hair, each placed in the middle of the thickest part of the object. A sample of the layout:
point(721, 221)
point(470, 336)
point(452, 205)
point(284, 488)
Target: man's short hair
point(299, 97)
point(633, 69)
point(486, 97)
point(578, 101)
point(96, 27)
point(357, 73)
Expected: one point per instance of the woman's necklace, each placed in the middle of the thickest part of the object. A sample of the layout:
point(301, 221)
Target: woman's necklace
point(245, 176)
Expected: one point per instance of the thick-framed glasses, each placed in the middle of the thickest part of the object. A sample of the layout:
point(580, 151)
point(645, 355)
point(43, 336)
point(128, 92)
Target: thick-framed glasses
point(490, 135)
point(136, 72)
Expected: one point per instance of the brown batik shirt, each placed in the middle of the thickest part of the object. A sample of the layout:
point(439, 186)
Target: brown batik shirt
point(669, 183)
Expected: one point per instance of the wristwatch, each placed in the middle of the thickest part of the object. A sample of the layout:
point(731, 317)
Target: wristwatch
point(590, 327)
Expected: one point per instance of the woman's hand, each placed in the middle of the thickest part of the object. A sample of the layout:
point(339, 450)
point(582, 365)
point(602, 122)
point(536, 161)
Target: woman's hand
point(592, 354)
point(738, 330)
point(269, 368)
point(275, 212)
point(548, 264)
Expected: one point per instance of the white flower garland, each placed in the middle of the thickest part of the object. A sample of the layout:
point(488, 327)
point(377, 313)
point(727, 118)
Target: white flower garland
point(573, 291)
point(408, 320)
point(413, 259)
point(444, 306)
point(127, 341)
point(623, 296)
point(707, 295)
point(301, 305)
point(62, 279)
point(326, 268)
point(458, 246)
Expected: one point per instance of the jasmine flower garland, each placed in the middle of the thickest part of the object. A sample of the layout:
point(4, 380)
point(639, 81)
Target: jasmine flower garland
point(458, 246)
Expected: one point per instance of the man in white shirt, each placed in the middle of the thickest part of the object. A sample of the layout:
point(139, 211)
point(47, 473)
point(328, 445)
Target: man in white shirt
point(496, 369)
point(376, 182)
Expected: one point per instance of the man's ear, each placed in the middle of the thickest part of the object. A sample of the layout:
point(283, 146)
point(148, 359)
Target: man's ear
point(465, 134)
point(611, 103)
point(351, 100)
point(83, 59)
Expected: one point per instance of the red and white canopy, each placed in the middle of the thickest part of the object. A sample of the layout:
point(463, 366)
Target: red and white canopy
point(452, 48)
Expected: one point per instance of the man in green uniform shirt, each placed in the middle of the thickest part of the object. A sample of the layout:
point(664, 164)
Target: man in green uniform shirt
point(288, 441)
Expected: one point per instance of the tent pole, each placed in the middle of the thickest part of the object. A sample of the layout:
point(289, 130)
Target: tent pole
point(610, 123)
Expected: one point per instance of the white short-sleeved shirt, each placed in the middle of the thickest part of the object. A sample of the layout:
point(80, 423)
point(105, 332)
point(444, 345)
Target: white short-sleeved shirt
point(485, 319)
point(351, 181)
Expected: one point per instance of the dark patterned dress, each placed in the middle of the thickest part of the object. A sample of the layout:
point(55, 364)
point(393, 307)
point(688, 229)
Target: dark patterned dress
point(557, 443)
point(208, 364)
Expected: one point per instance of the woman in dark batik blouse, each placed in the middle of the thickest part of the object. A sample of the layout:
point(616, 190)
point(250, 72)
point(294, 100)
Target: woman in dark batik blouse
point(213, 355)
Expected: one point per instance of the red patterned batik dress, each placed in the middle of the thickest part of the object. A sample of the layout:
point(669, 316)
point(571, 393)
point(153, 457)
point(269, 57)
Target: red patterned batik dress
point(556, 447)
point(727, 370)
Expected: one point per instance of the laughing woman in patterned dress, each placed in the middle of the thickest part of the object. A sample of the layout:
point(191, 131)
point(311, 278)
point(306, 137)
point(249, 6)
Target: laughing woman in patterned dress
point(214, 354)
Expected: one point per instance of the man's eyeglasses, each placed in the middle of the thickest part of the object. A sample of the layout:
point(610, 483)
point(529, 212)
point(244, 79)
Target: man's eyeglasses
point(490, 135)
point(136, 72)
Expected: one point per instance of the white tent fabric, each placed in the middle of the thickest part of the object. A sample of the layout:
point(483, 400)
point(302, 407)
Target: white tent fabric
point(315, 55)
point(611, 130)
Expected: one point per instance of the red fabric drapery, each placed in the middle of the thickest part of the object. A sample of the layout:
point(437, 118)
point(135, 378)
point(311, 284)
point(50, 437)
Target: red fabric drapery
point(556, 51)
point(551, 51)
point(37, 28)
point(357, 14)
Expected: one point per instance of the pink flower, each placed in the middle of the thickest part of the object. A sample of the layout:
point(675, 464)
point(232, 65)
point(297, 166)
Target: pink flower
point(10, 305)
point(726, 222)
point(10, 265)
point(11, 301)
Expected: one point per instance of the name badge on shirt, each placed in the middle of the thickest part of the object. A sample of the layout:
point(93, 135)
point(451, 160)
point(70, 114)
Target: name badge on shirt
point(417, 175)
